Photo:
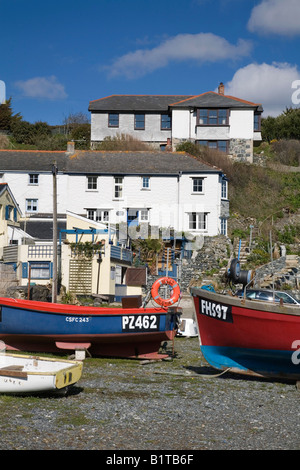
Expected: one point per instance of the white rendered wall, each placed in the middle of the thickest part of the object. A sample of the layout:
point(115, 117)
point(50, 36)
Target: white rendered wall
point(152, 131)
point(241, 124)
point(169, 199)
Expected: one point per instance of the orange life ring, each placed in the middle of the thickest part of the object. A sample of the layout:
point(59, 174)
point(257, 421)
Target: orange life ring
point(174, 295)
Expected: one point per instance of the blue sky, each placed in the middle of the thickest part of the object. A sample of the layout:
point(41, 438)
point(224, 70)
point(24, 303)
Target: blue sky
point(56, 56)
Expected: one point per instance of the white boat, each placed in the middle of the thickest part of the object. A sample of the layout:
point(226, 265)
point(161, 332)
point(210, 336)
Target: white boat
point(187, 327)
point(20, 374)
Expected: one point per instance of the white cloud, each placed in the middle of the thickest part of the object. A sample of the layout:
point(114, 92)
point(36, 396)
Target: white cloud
point(281, 17)
point(268, 84)
point(42, 87)
point(181, 48)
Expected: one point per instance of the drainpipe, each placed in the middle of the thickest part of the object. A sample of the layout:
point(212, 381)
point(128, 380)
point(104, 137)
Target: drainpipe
point(178, 199)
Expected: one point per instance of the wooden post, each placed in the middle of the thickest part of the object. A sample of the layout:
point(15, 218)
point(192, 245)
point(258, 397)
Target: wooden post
point(54, 271)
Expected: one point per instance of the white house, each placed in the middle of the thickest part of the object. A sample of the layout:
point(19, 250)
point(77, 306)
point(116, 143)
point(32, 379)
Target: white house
point(216, 120)
point(133, 189)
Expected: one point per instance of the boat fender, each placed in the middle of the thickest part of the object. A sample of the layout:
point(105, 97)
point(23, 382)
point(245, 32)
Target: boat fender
point(175, 294)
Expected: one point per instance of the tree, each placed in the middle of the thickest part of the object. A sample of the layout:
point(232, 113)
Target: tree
point(7, 118)
point(23, 132)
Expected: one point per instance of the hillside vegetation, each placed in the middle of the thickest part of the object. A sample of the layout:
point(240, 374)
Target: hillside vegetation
point(266, 196)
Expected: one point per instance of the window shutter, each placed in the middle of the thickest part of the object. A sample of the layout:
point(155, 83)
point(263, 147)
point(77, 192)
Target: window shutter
point(7, 211)
point(24, 270)
point(15, 214)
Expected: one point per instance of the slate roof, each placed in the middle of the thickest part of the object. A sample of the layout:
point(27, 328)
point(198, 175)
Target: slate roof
point(164, 102)
point(135, 102)
point(104, 162)
point(31, 160)
point(215, 100)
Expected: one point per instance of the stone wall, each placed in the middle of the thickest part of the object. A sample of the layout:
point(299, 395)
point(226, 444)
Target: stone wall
point(7, 278)
point(241, 149)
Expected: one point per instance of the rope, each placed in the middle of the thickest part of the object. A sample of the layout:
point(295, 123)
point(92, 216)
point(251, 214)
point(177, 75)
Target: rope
point(206, 376)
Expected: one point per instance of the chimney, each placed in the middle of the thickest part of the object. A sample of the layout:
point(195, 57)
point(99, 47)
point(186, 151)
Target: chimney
point(71, 148)
point(221, 89)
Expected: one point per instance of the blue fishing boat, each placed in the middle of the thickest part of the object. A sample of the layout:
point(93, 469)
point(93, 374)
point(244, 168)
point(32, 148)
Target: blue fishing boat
point(120, 332)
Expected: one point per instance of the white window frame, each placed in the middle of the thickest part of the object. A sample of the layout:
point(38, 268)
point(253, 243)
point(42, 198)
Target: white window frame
point(143, 215)
point(146, 183)
point(92, 183)
point(224, 189)
point(98, 215)
point(198, 221)
point(31, 205)
point(33, 179)
point(118, 187)
point(194, 185)
point(223, 226)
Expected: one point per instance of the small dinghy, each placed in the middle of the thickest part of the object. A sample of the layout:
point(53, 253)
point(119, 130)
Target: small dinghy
point(20, 374)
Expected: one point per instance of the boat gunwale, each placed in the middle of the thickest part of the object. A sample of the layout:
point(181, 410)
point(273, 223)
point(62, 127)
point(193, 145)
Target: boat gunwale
point(62, 309)
point(70, 365)
point(247, 304)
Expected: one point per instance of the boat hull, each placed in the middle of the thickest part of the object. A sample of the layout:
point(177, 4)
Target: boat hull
point(248, 336)
point(20, 374)
point(40, 326)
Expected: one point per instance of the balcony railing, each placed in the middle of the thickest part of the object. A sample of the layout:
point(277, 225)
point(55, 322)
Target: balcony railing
point(119, 253)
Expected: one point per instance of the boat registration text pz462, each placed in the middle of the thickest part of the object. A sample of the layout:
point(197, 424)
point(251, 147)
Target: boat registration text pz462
point(140, 323)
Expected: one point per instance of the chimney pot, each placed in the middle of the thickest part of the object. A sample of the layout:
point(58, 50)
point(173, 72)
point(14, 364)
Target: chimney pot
point(221, 89)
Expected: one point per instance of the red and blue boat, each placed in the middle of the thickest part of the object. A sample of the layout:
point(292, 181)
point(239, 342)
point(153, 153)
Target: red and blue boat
point(248, 336)
point(28, 325)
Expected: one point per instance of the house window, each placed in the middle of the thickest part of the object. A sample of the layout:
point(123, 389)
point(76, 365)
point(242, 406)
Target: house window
point(165, 121)
point(198, 185)
point(197, 221)
point(224, 189)
point(31, 205)
point(92, 183)
point(33, 178)
point(221, 145)
point(113, 120)
point(257, 122)
point(99, 215)
point(223, 226)
point(118, 193)
point(139, 121)
point(212, 117)
point(144, 215)
point(40, 270)
point(145, 182)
